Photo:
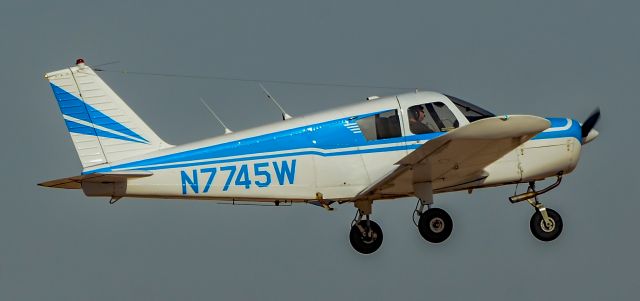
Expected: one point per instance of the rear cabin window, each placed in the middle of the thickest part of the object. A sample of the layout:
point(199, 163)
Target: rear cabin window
point(383, 125)
point(431, 118)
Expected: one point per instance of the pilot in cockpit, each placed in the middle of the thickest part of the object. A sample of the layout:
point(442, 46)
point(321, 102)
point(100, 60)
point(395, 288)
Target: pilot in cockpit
point(416, 121)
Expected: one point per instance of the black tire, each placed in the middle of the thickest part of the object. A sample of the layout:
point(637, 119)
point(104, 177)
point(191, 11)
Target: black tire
point(435, 225)
point(539, 228)
point(366, 244)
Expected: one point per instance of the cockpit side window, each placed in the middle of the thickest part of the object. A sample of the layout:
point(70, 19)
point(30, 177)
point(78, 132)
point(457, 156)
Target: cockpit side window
point(469, 110)
point(383, 125)
point(431, 118)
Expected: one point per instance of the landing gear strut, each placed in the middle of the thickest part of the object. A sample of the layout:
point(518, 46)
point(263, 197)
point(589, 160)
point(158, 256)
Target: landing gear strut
point(546, 223)
point(434, 224)
point(365, 235)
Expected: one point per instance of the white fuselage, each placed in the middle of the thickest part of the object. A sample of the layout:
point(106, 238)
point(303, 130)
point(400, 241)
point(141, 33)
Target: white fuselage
point(324, 153)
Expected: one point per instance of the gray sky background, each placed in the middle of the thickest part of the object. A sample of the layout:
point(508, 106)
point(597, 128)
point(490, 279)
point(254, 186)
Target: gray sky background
point(547, 58)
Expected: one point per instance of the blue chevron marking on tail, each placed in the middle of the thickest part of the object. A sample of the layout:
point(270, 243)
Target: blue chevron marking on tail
point(72, 106)
point(75, 127)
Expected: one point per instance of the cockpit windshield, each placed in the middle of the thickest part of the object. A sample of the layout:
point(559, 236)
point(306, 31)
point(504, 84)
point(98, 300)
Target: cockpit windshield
point(471, 111)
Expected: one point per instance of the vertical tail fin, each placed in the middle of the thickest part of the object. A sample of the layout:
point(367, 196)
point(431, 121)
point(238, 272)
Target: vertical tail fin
point(103, 128)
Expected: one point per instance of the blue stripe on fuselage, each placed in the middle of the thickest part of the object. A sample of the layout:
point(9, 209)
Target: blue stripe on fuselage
point(574, 131)
point(329, 136)
point(263, 157)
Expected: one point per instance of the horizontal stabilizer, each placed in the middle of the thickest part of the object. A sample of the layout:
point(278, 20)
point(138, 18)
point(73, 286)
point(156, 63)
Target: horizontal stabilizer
point(106, 177)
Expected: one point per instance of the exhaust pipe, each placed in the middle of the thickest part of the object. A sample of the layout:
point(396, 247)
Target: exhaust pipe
point(532, 194)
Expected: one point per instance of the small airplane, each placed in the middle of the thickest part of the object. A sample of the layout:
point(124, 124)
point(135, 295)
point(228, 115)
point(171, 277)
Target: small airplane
point(413, 144)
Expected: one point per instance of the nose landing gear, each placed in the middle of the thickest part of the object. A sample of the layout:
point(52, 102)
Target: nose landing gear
point(546, 223)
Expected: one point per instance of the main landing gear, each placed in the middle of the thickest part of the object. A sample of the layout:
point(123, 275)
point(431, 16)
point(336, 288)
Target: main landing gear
point(434, 224)
point(546, 223)
point(365, 235)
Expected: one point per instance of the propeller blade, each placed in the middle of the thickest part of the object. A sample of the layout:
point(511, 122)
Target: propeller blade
point(590, 122)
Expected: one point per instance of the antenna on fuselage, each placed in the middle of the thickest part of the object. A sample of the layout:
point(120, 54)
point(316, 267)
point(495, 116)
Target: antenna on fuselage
point(285, 116)
point(226, 129)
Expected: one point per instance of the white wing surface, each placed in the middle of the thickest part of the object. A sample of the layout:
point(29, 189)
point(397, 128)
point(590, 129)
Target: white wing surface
point(459, 156)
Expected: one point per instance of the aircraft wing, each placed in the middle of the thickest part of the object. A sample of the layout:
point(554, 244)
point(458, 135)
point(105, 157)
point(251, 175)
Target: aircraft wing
point(108, 177)
point(459, 156)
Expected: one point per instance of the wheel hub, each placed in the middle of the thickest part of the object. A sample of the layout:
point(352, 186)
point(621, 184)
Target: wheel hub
point(370, 238)
point(436, 225)
point(548, 227)
point(367, 235)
